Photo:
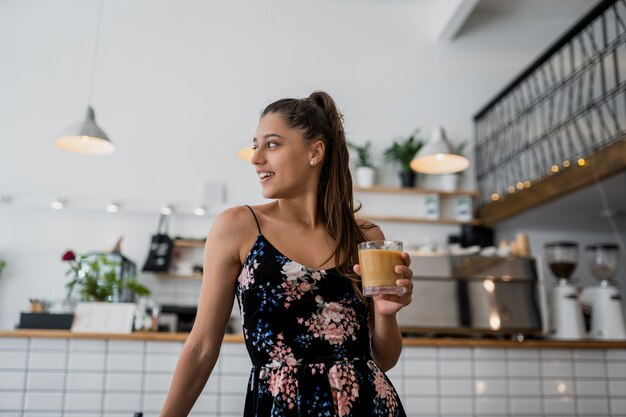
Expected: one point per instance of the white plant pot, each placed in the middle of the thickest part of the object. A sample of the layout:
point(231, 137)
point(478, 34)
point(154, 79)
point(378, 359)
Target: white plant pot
point(448, 182)
point(365, 176)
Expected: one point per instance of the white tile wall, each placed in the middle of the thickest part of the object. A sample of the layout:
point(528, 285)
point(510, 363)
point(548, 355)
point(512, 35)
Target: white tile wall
point(124, 382)
point(158, 382)
point(43, 400)
point(489, 387)
point(563, 405)
point(494, 368)
point(124, 362)
point(82, 381)
point(14, 343)
point(526, 406)
point(460, 368)
point(491, 406)
point(115, 378)
point(525, 387)
point(456, 405)
point(11, 400)
point(456, 387)
point(617, 387)
point(593, 388)
point(618, 406)
point(47, 360)
point(161, 363)
point(12, 379)
point(83, 401)
point(523, 368)
point(420, 368)
point(122, 402)
point(40, 380)
point(86, 361)
point(421, 406)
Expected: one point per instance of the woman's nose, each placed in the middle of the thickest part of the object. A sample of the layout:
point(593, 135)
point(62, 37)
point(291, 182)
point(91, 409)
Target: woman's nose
point(256, 157)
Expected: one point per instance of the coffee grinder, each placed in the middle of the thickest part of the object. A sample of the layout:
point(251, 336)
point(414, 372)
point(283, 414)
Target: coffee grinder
point(607, 319)
point(567, 319)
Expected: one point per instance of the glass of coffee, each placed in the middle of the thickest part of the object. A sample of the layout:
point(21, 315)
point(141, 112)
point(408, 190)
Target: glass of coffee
point(377, 259)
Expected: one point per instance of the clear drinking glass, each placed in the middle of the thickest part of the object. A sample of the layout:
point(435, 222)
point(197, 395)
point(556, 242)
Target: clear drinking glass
point(377, 259)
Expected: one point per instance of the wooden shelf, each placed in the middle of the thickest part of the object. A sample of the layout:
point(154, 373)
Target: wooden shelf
point(186, 243)
point(397, 190)
point(414, 220)
point(170, 275)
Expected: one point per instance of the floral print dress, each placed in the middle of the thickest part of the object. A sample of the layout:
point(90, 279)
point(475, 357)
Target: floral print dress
point(307, 335)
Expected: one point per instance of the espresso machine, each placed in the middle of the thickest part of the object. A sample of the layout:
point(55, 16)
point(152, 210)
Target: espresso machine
point(607, 319)
point(567, 317)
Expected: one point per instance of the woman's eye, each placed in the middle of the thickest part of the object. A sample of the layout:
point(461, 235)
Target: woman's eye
point(272, 144)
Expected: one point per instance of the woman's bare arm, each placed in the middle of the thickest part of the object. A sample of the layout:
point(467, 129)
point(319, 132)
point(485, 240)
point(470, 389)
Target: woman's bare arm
point(385, 336)
point(221, 266)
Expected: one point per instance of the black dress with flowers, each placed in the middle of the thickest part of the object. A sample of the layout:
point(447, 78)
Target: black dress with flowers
point(307, 335)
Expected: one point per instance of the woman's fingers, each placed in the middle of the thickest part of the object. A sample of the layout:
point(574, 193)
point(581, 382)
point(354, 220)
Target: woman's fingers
point(406, 284)
point(406, 258)
point(403, 271)
point(357, 269)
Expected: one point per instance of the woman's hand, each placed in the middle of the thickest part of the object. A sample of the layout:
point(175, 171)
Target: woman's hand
point(386, 304)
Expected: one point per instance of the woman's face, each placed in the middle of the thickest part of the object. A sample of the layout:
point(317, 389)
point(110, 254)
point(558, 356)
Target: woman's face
point(282, 159)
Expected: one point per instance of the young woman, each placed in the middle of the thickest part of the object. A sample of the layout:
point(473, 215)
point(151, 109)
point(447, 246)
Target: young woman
point(317, 346)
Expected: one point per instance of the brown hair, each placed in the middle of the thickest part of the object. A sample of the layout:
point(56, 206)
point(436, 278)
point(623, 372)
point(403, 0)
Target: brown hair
point(317, 116)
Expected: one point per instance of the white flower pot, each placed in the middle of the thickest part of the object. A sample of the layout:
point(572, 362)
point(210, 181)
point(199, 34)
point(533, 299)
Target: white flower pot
point(365, 176)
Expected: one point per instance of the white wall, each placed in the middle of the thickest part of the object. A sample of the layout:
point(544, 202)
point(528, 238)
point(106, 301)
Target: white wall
point(179, 87)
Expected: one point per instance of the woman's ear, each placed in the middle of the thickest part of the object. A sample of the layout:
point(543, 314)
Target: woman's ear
point(318, 151)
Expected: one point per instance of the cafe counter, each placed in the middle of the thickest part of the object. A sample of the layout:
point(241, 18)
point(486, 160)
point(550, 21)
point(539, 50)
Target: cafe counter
point(407, 341)
point(45, 372)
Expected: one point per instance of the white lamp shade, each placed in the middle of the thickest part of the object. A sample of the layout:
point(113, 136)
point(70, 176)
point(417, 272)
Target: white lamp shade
point(85, 138)
point(437, 157)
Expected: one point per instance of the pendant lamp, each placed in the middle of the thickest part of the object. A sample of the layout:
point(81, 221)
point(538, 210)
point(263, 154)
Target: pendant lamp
point(86, 137)
point(438, 156)
point(245, 153)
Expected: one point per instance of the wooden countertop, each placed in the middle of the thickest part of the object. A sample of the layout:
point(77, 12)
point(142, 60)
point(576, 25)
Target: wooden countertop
point(238, 338)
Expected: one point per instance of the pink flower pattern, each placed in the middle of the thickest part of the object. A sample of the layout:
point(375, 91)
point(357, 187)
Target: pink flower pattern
point(246, 277)
point(245, 280)
point(334, 321)
point(345, 388)
point(299, 280)
point(280, 374)
point(384, 390)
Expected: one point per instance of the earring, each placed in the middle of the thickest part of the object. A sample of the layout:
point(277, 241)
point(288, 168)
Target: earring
point(312, 163)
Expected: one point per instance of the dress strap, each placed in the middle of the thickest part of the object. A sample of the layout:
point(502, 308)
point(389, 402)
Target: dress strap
point(255, 219)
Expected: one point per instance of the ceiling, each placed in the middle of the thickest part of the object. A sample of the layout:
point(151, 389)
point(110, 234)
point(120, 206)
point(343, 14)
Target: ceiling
point(489, 13)
point(536, 8)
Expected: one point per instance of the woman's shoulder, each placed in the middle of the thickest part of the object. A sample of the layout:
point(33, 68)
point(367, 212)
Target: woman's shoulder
point(236, 220)
point(235, 230)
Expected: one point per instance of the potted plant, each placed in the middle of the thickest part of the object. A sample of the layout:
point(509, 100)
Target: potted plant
point(365, 171)
point(402, 153)
point(97, 278)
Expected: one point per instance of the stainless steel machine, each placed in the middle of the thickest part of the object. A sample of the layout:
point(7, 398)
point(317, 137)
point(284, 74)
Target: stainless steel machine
point(475, 295)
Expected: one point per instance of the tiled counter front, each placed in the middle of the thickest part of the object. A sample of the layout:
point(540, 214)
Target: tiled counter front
point(41, 377)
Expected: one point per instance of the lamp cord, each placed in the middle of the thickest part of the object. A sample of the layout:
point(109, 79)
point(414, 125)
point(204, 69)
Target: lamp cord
point(95, 51)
